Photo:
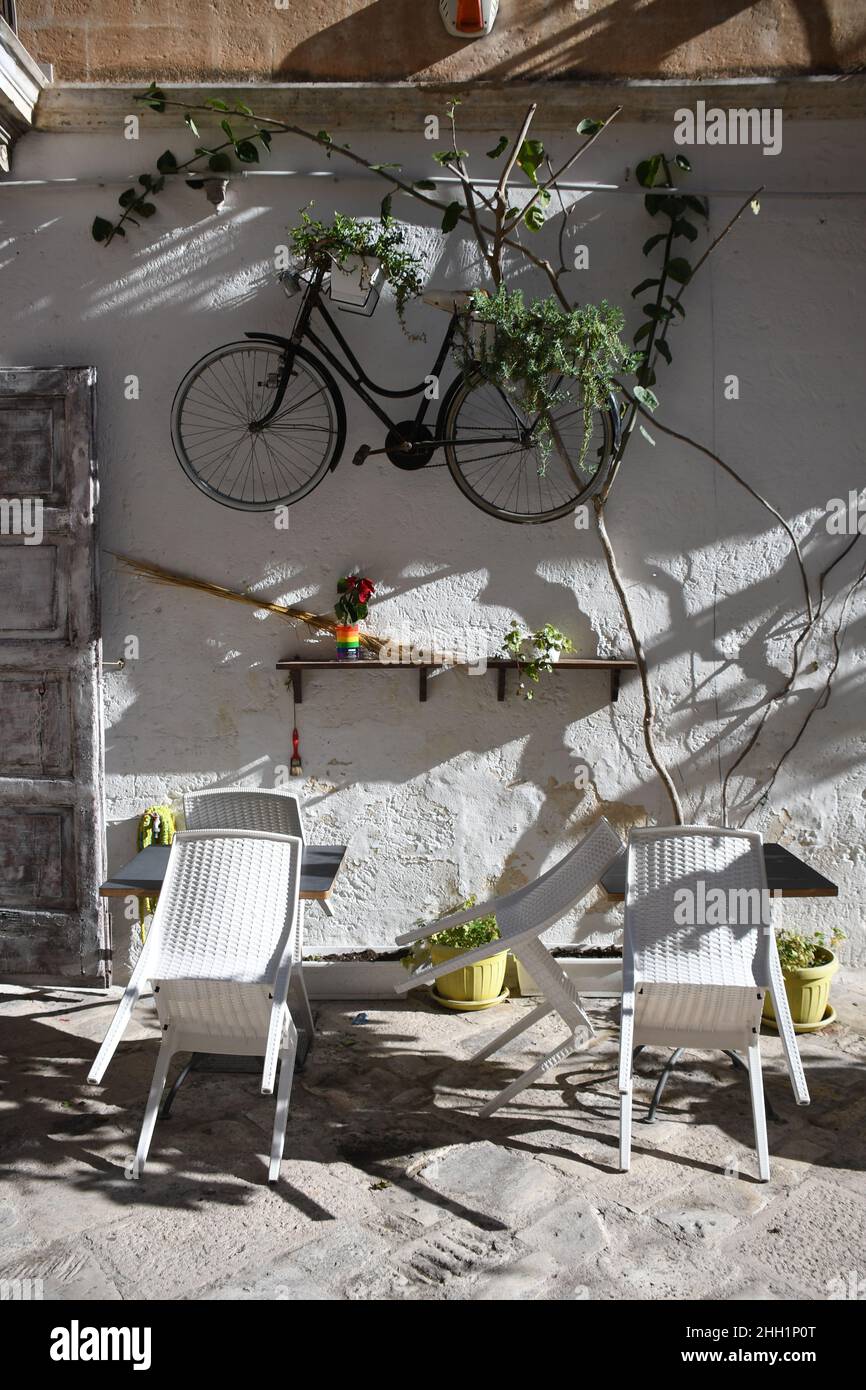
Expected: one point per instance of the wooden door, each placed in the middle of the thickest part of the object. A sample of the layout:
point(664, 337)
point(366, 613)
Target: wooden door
point(51, 744)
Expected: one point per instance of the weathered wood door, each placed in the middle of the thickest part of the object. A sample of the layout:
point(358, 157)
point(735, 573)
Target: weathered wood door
point(51, 744)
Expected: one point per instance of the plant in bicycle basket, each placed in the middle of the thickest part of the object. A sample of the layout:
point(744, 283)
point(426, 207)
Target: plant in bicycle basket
point(318, 243)
point(530, 349)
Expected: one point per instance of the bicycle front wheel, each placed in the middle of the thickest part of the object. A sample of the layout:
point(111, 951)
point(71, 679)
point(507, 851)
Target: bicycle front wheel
point(224, 451)
point(500, 460)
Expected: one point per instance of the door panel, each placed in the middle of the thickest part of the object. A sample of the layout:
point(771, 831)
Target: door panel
point(51, 756)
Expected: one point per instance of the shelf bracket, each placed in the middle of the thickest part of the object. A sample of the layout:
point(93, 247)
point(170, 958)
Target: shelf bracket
point(500, 682)
point(297, 685)
point(422, 684)
point(615, 674)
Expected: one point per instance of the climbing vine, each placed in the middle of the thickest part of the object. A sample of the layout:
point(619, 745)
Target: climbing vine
point(504, 225)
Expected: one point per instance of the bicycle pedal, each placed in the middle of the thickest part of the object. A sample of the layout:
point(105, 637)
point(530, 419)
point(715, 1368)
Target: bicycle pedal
point(360, 454)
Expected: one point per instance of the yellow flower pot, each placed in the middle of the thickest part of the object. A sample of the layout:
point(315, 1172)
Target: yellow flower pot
point(476, 986)
point(808, 993)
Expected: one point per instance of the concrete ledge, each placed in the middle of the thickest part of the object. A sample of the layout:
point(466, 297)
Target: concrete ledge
point(363, 979)
point(402, 106)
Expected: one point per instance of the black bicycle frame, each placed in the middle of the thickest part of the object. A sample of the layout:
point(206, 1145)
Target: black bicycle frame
point(360, 381)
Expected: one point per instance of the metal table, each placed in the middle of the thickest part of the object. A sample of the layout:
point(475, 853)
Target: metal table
point(143, 877)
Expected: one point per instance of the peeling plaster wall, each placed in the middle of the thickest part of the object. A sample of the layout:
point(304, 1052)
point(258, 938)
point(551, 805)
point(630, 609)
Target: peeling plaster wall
point(464, 794)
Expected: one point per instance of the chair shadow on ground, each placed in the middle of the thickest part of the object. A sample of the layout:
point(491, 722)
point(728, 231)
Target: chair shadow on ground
point(373, 1105)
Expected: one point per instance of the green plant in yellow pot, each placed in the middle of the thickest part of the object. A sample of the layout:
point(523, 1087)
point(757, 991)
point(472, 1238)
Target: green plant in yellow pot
point(808, 966)
point(471, 986)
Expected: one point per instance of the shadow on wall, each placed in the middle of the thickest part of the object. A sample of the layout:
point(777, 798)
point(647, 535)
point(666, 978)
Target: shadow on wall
point(397, 39)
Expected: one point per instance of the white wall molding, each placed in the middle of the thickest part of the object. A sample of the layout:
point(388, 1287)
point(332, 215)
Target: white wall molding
point(21, 82)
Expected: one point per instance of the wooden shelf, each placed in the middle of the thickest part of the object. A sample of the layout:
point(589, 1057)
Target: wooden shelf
point(296, 666)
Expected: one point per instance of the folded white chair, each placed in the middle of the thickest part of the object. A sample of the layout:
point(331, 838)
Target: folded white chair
point(522, 917)
point(220, 954)
point(273, 812)
point(691, 985)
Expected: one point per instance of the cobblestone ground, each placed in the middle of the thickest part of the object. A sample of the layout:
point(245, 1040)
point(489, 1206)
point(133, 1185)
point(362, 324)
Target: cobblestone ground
point(392, 1188)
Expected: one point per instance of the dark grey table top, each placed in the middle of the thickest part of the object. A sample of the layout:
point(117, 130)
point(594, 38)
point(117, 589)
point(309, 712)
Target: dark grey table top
point(786, 874)
point(144, 874)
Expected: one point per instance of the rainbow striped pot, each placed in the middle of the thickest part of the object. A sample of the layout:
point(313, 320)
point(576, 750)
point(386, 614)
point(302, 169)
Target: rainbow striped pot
point(348, 641)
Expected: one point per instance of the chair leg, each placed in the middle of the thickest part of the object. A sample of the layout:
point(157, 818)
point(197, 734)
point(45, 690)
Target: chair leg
point(305, 1013)
point(625, 1129)
point(553, 1059)
point(756, 1086)
point(541, 1011)
point(151, 1110)
point(284, 1091)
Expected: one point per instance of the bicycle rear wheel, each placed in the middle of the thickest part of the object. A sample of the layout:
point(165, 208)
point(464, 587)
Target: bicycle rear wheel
point(493, 451)
point(220, 447)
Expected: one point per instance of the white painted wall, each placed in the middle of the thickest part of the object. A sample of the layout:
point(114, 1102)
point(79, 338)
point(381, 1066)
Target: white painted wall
point(463, 794)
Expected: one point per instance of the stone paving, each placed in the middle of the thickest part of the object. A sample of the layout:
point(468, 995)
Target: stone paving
point(392, 1188)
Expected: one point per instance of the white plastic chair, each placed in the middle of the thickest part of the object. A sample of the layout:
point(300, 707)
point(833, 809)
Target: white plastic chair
point(690, 985)
point(220, 954)
point(272, 812)
point(522, 917)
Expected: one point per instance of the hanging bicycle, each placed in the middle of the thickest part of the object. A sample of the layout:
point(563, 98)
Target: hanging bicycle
point(258, 424)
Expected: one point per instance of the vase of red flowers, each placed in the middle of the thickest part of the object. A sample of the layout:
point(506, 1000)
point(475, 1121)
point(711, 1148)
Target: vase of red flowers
point(353, 595)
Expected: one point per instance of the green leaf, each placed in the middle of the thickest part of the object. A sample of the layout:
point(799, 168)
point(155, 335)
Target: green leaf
point(679, 269)
point(652, 202)
point(146, 209)
point(241, 109)
point(589, 127)
point(644, 285)
point(100, 229)
point(247, 152)
point(224, 125)
point(219, 163)
point(643, 332)
point(647, 171)
point(216, 105)
point(534, 218)
point(653, 241)
point(323, 137)
point(499, 147)
point(385, 209)
point(676, 306)
point(755, 205)
point(662, 347)
point(647, 437)
point(166, 164)
point(444, 157)
point(683, 228)
point(682, 163)
point(452, 216)
point(646, 397)
point(427, 185)
point(154, 97)
point(191, 123)
point(128, 197)
point(529, 156)
point(698, 205)
point(266, 138)
point(377, 168)
point(652, 311)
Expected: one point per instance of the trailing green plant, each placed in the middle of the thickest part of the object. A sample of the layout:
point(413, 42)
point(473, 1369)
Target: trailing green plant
point(464, 938)
point(318, 243)
point(798, 952)
point(534, 652)
point(156, 826)
point(534, 349)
